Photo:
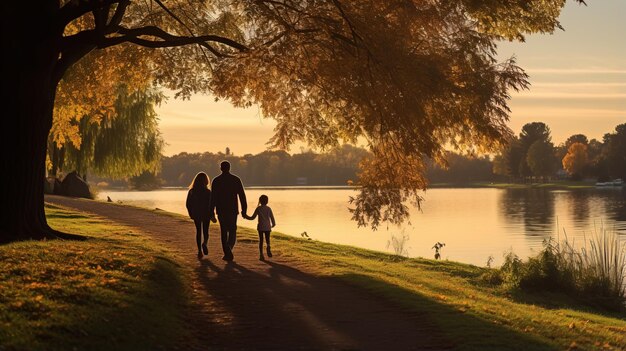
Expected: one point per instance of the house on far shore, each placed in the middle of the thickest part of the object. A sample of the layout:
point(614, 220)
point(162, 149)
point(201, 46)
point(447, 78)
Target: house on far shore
point(302, 181)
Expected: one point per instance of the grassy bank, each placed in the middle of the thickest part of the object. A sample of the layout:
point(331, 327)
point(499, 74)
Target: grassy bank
point(113, 291)
point(472, 314)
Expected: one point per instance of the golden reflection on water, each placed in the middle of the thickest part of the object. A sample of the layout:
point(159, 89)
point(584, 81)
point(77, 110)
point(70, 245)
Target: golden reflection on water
point(473, 223)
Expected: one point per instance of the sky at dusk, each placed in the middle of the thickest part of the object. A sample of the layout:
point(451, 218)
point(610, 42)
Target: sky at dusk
point(578, 85)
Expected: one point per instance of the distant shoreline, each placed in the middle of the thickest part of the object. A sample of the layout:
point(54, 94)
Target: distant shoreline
point(562, 185)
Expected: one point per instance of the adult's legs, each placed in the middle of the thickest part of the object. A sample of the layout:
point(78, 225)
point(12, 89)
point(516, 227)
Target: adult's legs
point(205, 234)
point(232, 232)
point(225, 231)
point(198, 224)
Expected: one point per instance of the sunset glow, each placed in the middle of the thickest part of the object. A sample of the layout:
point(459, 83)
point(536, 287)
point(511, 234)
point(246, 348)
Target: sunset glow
point(578, 85)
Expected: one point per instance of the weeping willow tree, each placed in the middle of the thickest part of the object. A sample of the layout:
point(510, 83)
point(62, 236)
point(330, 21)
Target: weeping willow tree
point(122, 144)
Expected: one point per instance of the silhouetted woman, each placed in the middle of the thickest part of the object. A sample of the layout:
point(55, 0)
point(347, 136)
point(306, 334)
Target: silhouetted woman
point(198, 207)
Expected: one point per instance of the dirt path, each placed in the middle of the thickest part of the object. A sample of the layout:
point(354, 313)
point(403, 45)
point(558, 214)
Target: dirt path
point(273, 305)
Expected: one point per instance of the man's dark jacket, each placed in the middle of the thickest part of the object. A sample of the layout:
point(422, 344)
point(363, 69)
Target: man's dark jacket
point(225, 189)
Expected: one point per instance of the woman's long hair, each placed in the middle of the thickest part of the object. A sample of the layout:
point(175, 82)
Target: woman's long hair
point(200, 181)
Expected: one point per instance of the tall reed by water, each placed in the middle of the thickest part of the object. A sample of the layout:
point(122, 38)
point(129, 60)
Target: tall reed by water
point(595, 272)
point(399, 244)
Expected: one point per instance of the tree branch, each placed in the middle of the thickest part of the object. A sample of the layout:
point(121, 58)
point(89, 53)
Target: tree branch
point(283, 4)
point(347, 19)
point(120, 10)
point(74, 47)
point(70, 56)
point(75, 9)
point(169, 12)
point(100, 18)
point(168, 40)
point(261, 4)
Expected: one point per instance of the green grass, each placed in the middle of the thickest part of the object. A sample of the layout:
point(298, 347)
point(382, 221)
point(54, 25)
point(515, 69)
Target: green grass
point(113, 291)
point(472, 314)
point(116, 291)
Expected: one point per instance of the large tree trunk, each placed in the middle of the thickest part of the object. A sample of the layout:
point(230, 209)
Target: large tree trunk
point(31, 49)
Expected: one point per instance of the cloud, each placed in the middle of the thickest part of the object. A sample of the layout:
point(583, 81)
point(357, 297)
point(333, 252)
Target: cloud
point(216, 137)
point(553, 112)
point(594, 85)
point(575, 70)
point(568, 95)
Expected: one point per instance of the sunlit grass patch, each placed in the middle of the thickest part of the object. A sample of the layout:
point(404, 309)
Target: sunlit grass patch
point(113, 291)
point(471, 314)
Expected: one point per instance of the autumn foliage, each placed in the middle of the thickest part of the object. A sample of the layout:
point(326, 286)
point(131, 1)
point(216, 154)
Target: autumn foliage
point(407, 77)
point(576, 159)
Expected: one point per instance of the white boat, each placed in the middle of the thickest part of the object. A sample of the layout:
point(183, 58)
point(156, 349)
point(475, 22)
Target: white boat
point(615, 182)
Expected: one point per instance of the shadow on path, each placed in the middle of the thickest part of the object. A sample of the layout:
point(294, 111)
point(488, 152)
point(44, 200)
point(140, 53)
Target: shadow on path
point(277, 305)
point(472, 332)
point(284, 308)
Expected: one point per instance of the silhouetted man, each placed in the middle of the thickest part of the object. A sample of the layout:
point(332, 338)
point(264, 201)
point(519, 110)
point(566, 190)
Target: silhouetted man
point(225, 189)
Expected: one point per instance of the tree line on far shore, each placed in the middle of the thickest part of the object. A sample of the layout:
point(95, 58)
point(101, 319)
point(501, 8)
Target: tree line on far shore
point(530, 156)
point(533, 156)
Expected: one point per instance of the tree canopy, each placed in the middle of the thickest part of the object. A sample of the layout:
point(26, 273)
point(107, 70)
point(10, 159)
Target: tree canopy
point(616, 151)
point(409, 77)
point(540, 158)
point(576, 158)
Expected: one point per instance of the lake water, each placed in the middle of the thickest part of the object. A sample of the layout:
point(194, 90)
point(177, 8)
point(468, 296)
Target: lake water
point(473, 223)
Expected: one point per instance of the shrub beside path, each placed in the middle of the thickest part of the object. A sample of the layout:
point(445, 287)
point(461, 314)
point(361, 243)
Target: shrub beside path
point(277, 304)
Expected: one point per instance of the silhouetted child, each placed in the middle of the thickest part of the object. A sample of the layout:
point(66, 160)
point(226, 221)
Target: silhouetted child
point(265, 224)
point(199, 206)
